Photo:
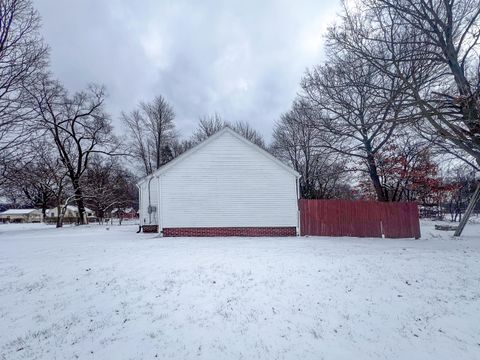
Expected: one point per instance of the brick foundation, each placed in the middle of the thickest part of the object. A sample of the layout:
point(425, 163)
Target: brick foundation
point(150, 228)
point(230, 231)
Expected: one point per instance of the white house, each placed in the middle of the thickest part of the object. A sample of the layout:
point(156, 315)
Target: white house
point(70, 211)
point(224, 186)
point(21, 215)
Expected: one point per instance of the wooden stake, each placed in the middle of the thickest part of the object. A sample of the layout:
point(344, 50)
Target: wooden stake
point(473, 203)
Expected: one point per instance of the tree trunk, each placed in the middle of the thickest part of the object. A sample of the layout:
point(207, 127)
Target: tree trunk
point(44, 211)
point(159, 149)
point(373, 173)
point(59, 216)
point(80, 202)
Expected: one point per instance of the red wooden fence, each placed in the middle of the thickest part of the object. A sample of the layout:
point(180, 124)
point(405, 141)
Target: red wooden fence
point(359, 218)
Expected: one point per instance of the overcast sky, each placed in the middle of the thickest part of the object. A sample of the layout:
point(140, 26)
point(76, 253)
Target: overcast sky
point(241, 59)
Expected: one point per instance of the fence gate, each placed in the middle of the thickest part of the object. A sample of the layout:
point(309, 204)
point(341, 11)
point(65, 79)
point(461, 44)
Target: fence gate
point(359, 218)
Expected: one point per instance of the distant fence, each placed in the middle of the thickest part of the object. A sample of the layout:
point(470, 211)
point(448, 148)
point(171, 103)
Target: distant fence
point(359, 218)
point(71, 220)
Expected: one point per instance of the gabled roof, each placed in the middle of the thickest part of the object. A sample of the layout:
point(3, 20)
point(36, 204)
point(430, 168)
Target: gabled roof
point(19, 211)
point(72, 208)
point(210, 139)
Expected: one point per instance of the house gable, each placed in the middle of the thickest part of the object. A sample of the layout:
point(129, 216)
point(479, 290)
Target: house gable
point(227, 182)
point(207, 142)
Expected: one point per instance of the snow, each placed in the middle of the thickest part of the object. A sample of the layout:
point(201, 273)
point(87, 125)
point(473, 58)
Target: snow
point(6, 228)
point(92, 293)
point(75, 208)
point(18, 211)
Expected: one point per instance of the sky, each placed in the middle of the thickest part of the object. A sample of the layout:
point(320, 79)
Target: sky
point(240, 59)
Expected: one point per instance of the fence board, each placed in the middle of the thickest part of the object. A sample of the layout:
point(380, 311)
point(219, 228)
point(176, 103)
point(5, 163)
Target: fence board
point(359, 218)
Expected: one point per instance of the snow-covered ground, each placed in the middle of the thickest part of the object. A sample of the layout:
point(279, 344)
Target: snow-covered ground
point(93, 293)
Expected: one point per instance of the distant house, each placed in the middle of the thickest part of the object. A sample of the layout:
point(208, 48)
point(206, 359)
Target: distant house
point(126, 213)
point(70, 212)
point(224, 186)
point(21, 215)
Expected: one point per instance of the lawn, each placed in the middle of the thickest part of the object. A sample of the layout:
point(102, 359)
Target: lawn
point(98, 293)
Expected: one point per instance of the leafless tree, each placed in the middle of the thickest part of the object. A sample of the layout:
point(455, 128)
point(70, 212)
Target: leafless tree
point(151, 133)
point(460, 182)
point(297, 143)
point(77, 126)
point(108, 185)
point(40, 180)
point(23, 55)
point(209, 125)
point(249, 133)
point(432, 47)
point(353, 104)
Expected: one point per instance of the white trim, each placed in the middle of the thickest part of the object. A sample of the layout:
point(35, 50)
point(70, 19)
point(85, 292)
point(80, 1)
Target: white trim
point(297, 186)
point(191, 151)
point(142, 180)
point(140, 204)
point(159, 209)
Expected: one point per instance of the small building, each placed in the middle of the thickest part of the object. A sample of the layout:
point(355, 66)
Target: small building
point(21, 216)
point(124, 213)
point(70, 212)
point(224, 186)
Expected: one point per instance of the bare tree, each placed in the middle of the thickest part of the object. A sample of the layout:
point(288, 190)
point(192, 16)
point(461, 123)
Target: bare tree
point(432, 47)
point(209, 125)
point(77, 126)
point(353, 104)
point(23, 55)
point(249, 133)
point(151, 133)
point(297, 143)
point(460, 184)
point(108, 186)
point(40, 180)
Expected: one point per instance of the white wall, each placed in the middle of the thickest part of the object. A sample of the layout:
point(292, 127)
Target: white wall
point(227, 183)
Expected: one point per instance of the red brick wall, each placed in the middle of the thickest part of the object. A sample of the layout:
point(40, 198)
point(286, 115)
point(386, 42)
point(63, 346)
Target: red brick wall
point(231, 231)
point(150, 228)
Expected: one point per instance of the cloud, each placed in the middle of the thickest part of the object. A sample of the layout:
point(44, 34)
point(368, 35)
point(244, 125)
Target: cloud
point(242, 59)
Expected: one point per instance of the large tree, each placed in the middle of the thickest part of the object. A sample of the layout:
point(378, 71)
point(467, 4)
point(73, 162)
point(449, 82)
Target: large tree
point(353, 106)
point(431, 47)
point(23, 56)
point(78, 128)
point(300, 145)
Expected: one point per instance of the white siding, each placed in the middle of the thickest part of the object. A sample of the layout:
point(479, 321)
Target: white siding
point(227, 183)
